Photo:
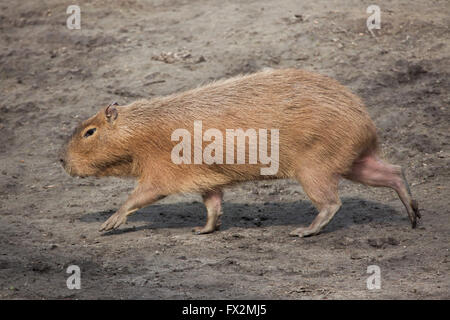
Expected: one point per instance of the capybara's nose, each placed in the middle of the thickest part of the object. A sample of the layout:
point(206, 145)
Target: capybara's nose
point(62, 161)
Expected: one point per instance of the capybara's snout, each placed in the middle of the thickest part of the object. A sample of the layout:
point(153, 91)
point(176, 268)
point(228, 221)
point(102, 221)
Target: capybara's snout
point(63, 162)
point(62, 159)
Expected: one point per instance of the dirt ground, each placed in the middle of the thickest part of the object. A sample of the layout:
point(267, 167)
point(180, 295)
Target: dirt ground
point(52, 77)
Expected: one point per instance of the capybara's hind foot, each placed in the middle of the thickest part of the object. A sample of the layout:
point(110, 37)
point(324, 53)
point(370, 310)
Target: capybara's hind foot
point(415, 207)
point(373, 171)
point(302, 232)
point(205, 229)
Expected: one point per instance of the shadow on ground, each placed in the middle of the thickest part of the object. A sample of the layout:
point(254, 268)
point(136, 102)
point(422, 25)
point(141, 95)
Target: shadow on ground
point(297, 213)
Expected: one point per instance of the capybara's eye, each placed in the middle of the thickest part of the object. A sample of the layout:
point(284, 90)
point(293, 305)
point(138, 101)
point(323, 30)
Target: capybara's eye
point(89, 133)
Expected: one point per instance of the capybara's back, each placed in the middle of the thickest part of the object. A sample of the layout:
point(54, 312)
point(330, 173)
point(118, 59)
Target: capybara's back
point(273, 124)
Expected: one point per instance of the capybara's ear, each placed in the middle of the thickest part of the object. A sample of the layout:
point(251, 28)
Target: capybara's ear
point(111, 112)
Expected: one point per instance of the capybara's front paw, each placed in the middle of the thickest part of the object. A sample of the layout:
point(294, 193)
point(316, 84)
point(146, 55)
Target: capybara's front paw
point(114, 222)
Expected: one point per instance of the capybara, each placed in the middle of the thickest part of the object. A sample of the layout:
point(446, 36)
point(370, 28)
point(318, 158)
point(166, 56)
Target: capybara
point(323, 134)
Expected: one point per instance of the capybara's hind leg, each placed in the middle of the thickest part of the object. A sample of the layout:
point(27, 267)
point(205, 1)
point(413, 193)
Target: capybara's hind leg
point(213, 204)
point(373, 171)
point(323, 191)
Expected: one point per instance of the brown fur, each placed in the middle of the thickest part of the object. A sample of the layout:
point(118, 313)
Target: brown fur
point(324, 130)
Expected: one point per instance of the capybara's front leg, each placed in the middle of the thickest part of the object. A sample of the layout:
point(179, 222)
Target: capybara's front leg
point(142, 196)
point(213, 203)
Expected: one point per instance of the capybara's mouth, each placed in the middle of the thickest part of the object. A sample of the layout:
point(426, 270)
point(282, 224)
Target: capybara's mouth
point(71, 172)
point(78, 176)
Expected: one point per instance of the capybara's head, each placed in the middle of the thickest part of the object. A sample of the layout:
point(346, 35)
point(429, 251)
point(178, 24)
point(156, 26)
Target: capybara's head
point(96, 147)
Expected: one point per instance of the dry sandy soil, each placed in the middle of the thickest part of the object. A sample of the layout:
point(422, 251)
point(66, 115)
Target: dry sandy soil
point(52, 77)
